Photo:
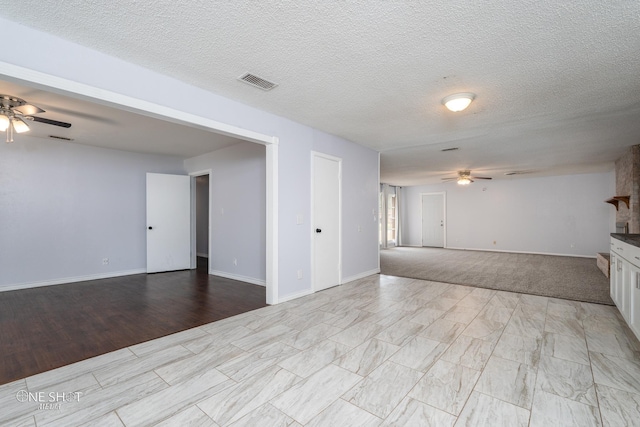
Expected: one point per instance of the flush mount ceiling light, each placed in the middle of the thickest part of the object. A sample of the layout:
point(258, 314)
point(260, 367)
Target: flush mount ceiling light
point(458, 101)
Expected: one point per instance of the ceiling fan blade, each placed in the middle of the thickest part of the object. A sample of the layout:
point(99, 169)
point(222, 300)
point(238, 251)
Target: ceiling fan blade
point(449, 179)
point(50, 122)
point(28, 109)
point(480, 177)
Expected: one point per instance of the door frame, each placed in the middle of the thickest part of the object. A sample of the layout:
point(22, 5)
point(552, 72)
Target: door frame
point(444, 215)
point(73, 89)
point(194, 255)
point(312, 219)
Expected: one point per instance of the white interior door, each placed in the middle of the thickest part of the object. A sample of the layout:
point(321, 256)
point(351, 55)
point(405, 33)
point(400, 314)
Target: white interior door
point(326, 221)
point(168, 222)
point(433, 220)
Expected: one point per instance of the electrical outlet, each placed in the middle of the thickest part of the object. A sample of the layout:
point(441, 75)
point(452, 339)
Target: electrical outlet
point(573, 245)
point(105, 261)
point(359, 229)
point(494, 242)
point(235, 261)
point(299, 274)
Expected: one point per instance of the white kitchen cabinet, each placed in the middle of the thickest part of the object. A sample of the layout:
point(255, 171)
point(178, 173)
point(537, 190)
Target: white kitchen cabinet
point(625, 282)
point(624, 289)
point(614, 277)
point(634, 300)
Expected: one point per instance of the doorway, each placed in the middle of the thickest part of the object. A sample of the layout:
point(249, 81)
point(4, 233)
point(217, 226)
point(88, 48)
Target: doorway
point(71, 88)
point(202, 220)
point(326, 200)
point(434, 228)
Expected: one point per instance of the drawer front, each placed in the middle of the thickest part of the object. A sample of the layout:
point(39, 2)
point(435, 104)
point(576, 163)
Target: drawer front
point(629, 252)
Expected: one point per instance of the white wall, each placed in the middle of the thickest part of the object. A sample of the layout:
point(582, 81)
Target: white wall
point(100, 71)
point(202, 215)
point(238, 209)
point(64, 207)
point(556, 215)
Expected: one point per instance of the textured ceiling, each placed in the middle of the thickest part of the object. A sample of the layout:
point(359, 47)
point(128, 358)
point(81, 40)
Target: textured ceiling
point(557, 83)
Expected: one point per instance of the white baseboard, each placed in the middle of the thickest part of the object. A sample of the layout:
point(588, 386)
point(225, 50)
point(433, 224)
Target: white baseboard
point(238, 277)
point(71, 280)
point(520, 252)
point(361, 275)
point(295, 296)
point(202, 255)
point(344, 280)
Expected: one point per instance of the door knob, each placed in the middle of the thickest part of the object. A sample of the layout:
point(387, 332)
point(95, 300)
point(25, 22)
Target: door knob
point(318, 230)
point(150, 228)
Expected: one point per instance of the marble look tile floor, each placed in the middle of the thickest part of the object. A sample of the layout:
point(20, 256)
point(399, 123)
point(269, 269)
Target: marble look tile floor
point(380, 351)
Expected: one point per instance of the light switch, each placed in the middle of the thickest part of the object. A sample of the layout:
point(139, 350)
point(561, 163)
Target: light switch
point(299, 219)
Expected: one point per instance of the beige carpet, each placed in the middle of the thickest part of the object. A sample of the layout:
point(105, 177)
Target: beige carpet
point(573, 278)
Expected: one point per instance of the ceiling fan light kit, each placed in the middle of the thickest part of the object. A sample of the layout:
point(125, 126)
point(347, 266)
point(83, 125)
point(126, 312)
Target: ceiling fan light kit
point(4, 123)
point(458, 101)
point(464, 178)
point(13, 113)
point(19, 125)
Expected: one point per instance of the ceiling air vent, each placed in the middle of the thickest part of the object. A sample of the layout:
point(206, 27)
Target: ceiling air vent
point(518, 172)
point(450, 149)
point(256, 81)
point(60, 137)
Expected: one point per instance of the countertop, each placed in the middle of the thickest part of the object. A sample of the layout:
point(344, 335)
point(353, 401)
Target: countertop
point(632, 239)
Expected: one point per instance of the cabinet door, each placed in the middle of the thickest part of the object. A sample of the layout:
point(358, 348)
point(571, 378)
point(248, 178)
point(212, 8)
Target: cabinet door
point(613, 276)
point(634, 300)
point(624, 291)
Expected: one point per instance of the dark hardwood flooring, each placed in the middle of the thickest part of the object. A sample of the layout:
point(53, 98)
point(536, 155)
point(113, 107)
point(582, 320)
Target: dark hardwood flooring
point(52, 326)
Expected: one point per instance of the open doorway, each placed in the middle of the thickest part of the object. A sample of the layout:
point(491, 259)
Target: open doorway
point(202, 221)
point(118, 101)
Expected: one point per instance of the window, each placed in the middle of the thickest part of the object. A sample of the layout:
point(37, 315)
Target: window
point(388, 221)
point(381, 218)
point(391, 220)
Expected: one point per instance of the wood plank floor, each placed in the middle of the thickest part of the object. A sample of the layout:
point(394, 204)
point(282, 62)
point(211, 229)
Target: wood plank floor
point(48, 327)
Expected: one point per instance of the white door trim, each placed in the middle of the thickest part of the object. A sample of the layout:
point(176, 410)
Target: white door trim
point(52, 83)
point(377, 220)
point(311, 222)
point(194, 255)
point(444, 214)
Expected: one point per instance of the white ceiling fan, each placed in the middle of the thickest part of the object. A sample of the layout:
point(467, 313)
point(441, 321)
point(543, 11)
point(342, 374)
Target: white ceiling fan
point(464, 178)
point(15, 112)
